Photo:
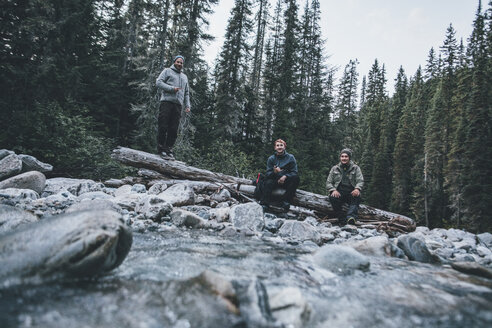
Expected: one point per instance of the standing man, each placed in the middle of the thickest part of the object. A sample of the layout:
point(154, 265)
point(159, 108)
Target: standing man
point(281, 173)
point(175, 95)
point(344, 185)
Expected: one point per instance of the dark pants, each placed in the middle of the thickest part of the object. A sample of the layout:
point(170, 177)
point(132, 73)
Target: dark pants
point(168, 124)
point(290, 185)
point(345, 198)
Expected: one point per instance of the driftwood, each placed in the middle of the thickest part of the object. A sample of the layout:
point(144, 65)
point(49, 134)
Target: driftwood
point(200, 179)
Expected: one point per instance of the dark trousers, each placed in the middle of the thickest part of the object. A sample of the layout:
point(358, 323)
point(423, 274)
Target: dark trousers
point(167, 125)
point(290, 185)
point(345, 198)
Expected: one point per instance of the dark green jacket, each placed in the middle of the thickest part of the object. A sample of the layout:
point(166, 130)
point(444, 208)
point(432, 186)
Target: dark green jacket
point(287, 162)
point(335, 177)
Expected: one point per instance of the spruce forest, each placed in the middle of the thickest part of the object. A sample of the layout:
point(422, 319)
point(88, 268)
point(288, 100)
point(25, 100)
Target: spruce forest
point(78, 79)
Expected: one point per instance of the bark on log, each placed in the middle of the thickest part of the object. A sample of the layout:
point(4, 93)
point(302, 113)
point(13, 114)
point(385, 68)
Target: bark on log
point(320, 204)
point(174, 169)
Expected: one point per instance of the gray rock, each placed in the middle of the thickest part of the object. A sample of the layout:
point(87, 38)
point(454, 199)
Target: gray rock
point(30, 163)
point(341, 259)
point(128, 201)
point(4, 153)
point(91, 195)
point(220, 214)
point(157, 188)
point(123, 190)
point(12, 217)
point(273, 225)
point(465, 244)
point(179, 195)
point(472, 268)
point(30, 180)
point(96, 205)
point(229, 231)
point(10, 166)
point(60, 200)
point(188, 219)
point(483, 251)
point(76, 244)
point(247, 216)
point(153, 208)
point(143, 225)
point(139, 188)
point(299, 231)
point(15, 195)
point(375, 246)
point(463, 257)
point(221, 196)
point(289, 307)
point(485, 239)
point(312, 221)
point(422, 229)
point(415, 249)
point(75, 186)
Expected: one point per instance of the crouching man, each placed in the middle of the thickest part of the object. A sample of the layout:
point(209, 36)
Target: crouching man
point(281, 173)
point(344, 185)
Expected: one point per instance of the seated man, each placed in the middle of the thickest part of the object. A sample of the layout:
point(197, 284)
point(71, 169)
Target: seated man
point(281, 172)
point(344, 185)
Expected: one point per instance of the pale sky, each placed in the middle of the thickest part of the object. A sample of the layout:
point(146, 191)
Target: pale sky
point(396, 32)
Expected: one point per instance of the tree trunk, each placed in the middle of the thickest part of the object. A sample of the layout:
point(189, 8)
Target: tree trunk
point(318, 205)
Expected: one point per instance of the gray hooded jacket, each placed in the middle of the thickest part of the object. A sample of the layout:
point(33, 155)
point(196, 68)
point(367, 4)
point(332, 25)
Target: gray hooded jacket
point(169, 79)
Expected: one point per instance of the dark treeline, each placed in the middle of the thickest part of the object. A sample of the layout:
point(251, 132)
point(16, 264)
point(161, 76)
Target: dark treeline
point(78, 78)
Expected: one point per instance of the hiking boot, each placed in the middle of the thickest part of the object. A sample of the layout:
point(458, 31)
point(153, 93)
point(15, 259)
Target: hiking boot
point(170, 155)
point(285, 205)
point(351, 220)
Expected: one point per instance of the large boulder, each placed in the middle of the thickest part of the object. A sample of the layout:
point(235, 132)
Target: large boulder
point(9, 166)
point(184, 218)
point(299, 231)
point(153, 208)
point(485, 239)
point(14, 195)
point(247, 216)
point(375, 246)
point(4, 153)
point(179, 195)
point(415, 249)
point(71, 245)
point(30, 180)
point(340, 259)
point(30, 163)
point(12, 217)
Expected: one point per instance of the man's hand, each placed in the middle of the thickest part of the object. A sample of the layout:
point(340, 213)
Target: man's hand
point(187, 109)
point(282, 179)
point(276, 169)
point(355, 193)
point(335, 194)
point(176, 89)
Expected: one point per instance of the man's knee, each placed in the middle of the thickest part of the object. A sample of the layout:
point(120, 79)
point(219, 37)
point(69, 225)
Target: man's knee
point(293, 181)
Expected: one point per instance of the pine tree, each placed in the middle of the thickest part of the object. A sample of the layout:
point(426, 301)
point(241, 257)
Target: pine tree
point(231, 72)
point(406, 148)
point(283, 124)
point(346, 108)
point(478, 135)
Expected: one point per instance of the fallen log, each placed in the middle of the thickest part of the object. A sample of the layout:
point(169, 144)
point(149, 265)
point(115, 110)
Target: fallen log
point(319, 204)
point(174, 169)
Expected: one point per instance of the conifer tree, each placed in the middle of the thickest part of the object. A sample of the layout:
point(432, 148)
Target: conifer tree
point(478, 136)
point(231, 72)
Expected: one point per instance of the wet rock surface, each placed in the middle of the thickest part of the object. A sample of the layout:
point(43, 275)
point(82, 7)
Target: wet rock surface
point(200, 258)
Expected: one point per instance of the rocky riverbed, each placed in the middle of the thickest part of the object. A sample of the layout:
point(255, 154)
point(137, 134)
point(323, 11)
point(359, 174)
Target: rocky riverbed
point(200, 258)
